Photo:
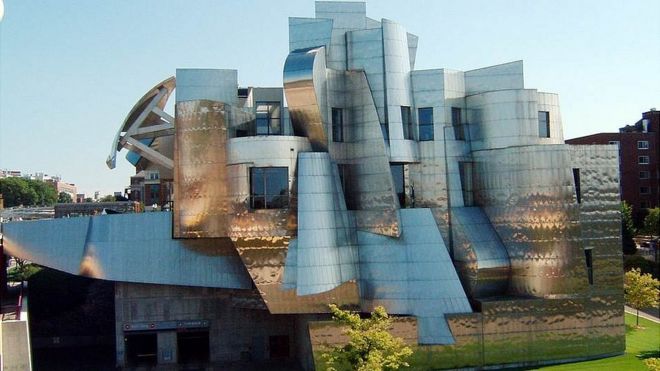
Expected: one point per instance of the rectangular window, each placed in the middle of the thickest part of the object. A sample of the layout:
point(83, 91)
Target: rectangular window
point(643, 160)
point(269, 187)
point(407, 122)
point(644, 205)
point(544, 124)
point(642, 144)
point(457, 123)
point(268, 118)
point(337, 125)
point(385, 129)
point(578, 190)
point(644, 174)
point(425, 120)
point(398, 177)
point(588, 257)
point(644, 190)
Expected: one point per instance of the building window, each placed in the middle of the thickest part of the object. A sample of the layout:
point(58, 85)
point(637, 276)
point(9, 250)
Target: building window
point(544, 124)
point(398, 177)
point(588, 257)
point(578, 189)
point(268, 118)
point(644, 205)
point(337, 125)
point(644, 190)
point(407, 122)
point(642, 144)
point(425, 119)
point(385, 129)
point(269, 187)
point(644, 174)
point(457, 123)
point(643, 160)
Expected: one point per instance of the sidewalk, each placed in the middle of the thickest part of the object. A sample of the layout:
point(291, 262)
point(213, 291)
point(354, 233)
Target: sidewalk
point(642, 314)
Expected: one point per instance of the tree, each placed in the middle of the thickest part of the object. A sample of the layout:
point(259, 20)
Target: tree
point(640, 290)
point(370, 347)
point(652, 222)
point(17, 191)
point(107, 198)
point(46, 193)
point(627, 229)
point(64, 197)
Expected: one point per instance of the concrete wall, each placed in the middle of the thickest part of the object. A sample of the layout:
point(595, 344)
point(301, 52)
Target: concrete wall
point(238, 323)
point(15, 343)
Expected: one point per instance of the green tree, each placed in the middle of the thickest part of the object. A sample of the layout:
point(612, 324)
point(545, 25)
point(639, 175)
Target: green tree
point(627, 229)
point(370, 347)
point(46, 194)
point(640, 290)
point(107, 198)
point(17, 191)
point(64, 197)
point(652, 222)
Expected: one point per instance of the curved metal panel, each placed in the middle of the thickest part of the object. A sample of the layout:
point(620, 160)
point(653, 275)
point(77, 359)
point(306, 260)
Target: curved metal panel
point(303, 69)
point(480, 256)
point(127, 247)
point(143, 113)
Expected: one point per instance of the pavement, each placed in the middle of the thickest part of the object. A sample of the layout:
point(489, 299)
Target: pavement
point(643, 314)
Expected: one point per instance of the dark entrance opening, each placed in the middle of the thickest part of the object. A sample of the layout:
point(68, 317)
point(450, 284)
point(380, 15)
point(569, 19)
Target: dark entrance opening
point(279, 346)
point(193, 346)
point(141, 349)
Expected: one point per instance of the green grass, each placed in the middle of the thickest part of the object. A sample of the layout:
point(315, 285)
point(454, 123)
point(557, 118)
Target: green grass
point(640, 344)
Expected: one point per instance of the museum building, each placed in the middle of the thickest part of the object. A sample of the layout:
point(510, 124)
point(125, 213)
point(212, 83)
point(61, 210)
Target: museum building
point(448, 197)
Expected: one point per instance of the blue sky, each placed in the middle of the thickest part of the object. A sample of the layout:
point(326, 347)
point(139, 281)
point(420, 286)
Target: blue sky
point(71, 70)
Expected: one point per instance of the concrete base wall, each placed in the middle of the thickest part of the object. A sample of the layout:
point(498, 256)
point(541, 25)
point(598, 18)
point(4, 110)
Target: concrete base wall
point(239, 325)
point(15, 346)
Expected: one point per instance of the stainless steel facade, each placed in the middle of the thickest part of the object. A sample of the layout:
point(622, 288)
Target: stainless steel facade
point(474, 233)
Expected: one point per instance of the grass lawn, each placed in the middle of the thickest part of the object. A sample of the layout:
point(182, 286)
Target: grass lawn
point(640, 344)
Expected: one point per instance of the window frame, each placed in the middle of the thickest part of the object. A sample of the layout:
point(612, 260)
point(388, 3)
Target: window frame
point(544, 126)
point(337, 128)
point(644, 174)
point(269, 119)
point(265, 195)
point(644, 190)
point(643, 160)
point(640, 144)
point(425, 129)
point(457, 123)
point(407, 123)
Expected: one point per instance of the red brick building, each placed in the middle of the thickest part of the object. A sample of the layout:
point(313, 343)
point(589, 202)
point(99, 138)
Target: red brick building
point(639, 160)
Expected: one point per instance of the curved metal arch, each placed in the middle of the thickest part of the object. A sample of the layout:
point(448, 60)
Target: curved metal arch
point(146, 120)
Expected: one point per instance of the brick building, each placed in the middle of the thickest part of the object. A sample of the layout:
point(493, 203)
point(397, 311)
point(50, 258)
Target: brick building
point(639, 158)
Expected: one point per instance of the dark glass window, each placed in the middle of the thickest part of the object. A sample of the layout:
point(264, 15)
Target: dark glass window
point(385, 129)
point(399, 183)
point(642, 144)
point(544, 124)
point(407, 122)
point(457, 123)
point(578, 190)
point(425, 119)
point(337, 125)
point(590, 265)
point(268, 120)
point(644, 174)
point(644, 204)
point(644, 190)
point(643, 160)
point(269, 187)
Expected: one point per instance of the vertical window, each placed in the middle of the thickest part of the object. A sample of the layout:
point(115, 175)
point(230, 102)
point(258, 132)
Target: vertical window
point(407, 122)
point(644, 174)
point(425, 119)
point(642, 144)
point(457, 123)
point(578, 190)
point(643, 160)
point(644, 190)
point(268, 118)
point(466, 168)
point(269, 187)
point(544, 124)
point(385, 129)
point(399, 183)
point(337, 125)
point(590, 265)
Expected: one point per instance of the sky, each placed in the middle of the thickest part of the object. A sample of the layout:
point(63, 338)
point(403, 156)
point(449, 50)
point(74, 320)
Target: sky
point(70, 71)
